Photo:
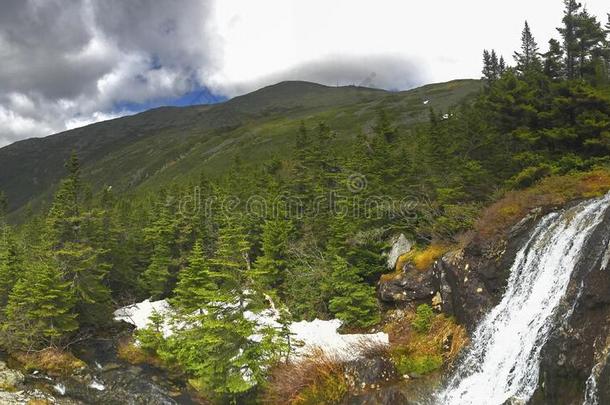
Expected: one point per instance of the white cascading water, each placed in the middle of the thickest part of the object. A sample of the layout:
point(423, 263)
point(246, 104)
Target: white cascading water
point(503, 360)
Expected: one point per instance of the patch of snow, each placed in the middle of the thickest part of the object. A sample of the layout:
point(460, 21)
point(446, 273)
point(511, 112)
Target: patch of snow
point(426, 102)
point(96, 385)
point(308, 335)
point(139, 314)
point(323, 335)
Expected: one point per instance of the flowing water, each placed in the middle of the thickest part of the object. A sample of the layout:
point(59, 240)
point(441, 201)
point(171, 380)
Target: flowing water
point(503, 360)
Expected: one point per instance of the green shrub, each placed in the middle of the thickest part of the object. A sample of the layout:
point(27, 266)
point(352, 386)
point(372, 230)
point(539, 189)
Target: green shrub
point(423, 319)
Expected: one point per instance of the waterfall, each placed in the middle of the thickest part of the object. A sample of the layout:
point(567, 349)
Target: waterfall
point(503, 359)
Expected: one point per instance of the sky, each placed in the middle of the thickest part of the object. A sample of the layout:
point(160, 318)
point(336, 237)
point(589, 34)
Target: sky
point(65, 64)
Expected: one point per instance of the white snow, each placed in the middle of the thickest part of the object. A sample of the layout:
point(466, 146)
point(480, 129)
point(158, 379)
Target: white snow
point(139, 314)
point(426, 102)
point(323, 335)
point(305, 335)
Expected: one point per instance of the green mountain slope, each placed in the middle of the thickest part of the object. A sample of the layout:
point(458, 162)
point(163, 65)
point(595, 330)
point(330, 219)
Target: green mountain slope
point(156, 146)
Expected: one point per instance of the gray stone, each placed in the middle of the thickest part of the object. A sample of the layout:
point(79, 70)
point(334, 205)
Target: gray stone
point(400, 246)
point(9, 379)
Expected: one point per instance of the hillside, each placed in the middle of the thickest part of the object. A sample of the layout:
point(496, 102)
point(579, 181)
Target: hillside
point(159, 145)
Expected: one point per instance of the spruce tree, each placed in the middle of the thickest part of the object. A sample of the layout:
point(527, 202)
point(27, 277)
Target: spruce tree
point(11, 260)
point(231, 263)
point(156, 277)
point(80, 261)
point(528, 59)
point(569, 34)
point(220, 349)
point(40, 309)
point(195, 287)
point(553, 66)
point(590, 41)
point(353, 302)
point(270, 267)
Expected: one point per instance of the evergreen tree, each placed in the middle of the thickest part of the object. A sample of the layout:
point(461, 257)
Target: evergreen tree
point(157, 276)
point(156, 279)
point(194, 287)
point(270, 267)
point(79, 260)
point(40, 309)
point(570, 41)
point(353, 302)
point(501, 66)
point(590, 40)
point(528, 59)
point(11, 260)
point(553, 66)
point(231, 264)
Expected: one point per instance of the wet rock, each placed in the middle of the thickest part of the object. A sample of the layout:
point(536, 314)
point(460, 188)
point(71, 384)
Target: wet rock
point(29, 397)
point(410, 286)
point(367, 372)
point(581, 338)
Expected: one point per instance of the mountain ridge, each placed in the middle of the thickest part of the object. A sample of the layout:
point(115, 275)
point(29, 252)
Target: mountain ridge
point(128, 151)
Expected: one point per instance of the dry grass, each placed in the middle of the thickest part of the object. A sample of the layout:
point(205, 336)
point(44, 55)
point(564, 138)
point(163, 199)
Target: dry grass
point(132, 354)
point(316, 379)
point(550, 192)
point(52, 361)
point(39, 402)
point(372, 349)
point(402, 260)
point(424, 259)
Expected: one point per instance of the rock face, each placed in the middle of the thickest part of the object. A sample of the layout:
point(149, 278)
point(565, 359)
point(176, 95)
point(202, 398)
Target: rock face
point(467, 283)
point(400, 246)
point(409, 286)
point(578, 349)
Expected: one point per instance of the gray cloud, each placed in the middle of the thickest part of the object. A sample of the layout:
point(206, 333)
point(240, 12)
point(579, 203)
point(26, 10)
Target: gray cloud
point(69, 63)
point(66, 62)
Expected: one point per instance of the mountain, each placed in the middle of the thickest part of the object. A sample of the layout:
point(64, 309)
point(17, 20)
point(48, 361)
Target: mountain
point(166, 143)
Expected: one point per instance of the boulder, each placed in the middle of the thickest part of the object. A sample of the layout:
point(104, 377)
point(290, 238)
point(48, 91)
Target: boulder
point(400, 246)
point(411, 285)
point(9, 379)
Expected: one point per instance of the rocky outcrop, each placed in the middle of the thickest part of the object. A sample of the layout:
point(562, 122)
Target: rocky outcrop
point(400, 246)
point(467, 283)
point(411, 285)
point(579, 346)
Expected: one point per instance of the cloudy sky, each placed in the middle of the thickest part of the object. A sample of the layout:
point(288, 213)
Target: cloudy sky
point(67, 63)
